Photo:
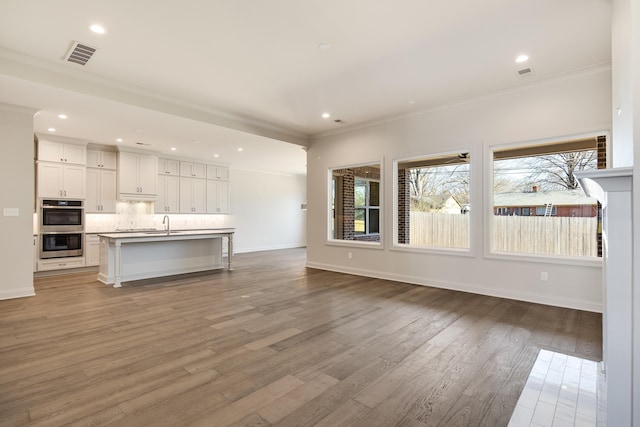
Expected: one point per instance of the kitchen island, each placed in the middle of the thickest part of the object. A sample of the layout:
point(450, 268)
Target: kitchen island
point(143, 255)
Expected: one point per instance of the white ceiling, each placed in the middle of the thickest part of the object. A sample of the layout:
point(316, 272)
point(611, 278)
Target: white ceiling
point(250, 73)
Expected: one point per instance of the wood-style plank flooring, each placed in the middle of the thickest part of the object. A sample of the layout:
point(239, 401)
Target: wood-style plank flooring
point(272, 343)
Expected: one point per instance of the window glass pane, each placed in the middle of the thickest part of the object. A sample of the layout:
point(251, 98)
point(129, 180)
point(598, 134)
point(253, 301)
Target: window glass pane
point(374, 220)
point(433, 201)
point(538, 205)
point(360, 221)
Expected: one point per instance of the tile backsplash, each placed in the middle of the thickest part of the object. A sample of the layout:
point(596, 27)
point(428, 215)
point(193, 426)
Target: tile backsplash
point(140, 215)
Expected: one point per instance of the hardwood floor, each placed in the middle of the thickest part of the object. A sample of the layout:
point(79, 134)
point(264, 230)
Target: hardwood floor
point(272, 343)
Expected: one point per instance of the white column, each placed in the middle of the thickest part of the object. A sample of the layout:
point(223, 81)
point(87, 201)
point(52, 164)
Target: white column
point(612, 188)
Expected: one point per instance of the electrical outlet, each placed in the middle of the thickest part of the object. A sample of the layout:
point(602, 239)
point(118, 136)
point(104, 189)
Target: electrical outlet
point(544, 276)
point(350, 255)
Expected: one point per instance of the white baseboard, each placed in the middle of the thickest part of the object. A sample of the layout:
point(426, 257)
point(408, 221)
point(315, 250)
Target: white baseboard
point(17, 293)
point(267, 248)
point(576, 303)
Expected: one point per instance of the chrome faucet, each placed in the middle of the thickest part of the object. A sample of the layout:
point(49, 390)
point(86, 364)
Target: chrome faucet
point(167, 228)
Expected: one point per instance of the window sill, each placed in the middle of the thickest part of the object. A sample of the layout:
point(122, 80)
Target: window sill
point(355, 243)
point(433, 250)
point(546, 259)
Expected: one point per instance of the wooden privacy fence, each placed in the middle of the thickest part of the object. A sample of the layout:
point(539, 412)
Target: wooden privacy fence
point(534, 234)
point(439, 229)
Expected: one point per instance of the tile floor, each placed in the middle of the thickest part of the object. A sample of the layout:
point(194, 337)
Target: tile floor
point(561, 391)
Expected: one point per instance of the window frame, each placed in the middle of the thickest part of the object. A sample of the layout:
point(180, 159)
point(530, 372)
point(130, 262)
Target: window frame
point(488, 200)
point(330, 240)
point(403, 247)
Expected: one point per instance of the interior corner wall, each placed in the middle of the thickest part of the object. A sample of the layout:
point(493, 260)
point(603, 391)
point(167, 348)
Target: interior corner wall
point(549, 110)
point(267, 210)
point(17, 199)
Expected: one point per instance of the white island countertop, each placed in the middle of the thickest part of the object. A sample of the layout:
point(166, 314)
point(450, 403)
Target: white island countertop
point(135, 255)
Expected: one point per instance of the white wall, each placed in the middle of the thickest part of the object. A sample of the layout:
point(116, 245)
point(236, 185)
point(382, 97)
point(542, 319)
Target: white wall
point(16, 252)
point(266, 210)
point(552, 109)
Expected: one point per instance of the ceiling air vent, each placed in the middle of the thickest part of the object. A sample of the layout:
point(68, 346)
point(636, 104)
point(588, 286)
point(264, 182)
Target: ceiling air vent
point(525, 72)
point(80, 53)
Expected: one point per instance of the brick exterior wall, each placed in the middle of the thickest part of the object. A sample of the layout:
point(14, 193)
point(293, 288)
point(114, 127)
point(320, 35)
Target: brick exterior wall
point(404, 206)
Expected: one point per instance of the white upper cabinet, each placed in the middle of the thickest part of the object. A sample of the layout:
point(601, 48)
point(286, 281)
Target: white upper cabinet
point(168, 200)
point(101, 191)
point(193, 195)
point(217, 172)
point(168, 167)
point(217, 197)
point(61, 152)
point(137, 176)
point(193, 170)
point(60, 181)
point(101, 159)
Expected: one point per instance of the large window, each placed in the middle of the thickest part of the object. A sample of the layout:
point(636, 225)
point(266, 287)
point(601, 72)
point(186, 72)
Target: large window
point(538, 207)
point(355, 203)
point(433, 201)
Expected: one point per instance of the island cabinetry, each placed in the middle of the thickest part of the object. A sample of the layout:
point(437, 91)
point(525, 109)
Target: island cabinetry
point(135, 256)
point(193, 195)
point(137, 176)
point(101, 159)
point(168, 167)
point(101, 191)
point(168, 200)
point(60, 181)
point(61, 152)
point(193, 170)
point(217, 197)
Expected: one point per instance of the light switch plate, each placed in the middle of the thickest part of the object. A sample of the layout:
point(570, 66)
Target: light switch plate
point(11, 211)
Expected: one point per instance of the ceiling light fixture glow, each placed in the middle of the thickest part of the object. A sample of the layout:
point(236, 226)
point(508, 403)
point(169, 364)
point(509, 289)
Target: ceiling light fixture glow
point(324, 46)
point(216, 155)
point(522, 58)
point(173, 148)
point(326, 115)
point(96, 28)
point(119, 139)
point(51, 129)
point(62, 116)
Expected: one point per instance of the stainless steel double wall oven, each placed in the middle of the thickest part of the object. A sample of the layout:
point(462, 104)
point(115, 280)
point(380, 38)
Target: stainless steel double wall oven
point(61, 228)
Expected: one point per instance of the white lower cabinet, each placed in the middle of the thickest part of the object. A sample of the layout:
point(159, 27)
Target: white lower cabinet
point(92, 250)
point(60, 263)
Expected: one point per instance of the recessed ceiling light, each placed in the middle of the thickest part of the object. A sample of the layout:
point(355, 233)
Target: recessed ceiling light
point(216, 155)
point(326, 115)
point(324, 46)
point(173, 148)
point(51, 129)
point(522, 58)
point(96, 28)
point(119, 139)
point(62, 116)
point(240, 149)
point(412, 102)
